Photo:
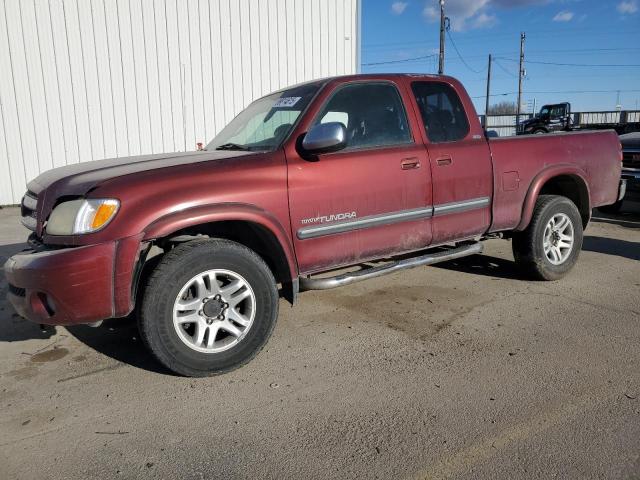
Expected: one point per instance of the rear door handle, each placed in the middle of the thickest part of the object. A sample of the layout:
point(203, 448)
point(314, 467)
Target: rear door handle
point(442, 161)
point(409, 163)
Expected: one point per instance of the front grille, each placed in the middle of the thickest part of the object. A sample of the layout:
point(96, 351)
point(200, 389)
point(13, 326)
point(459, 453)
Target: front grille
point(17, 291)
point(28, 210)
point(631, 159)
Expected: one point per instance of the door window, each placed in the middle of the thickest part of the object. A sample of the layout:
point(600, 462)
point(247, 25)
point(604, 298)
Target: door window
point(372, 113)
point(266, 122)
point(557, 111)
point(442, 112)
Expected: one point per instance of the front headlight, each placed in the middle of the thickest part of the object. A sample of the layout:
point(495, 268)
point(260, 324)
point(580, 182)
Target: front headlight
point(81, 216)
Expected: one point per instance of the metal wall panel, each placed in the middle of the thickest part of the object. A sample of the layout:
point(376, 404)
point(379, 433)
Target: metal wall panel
point(82, 80)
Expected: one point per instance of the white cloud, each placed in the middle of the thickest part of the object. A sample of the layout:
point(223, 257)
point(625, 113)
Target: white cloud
point(458, 11)
point(465, 14)
point(484, 20)
point(628, 7)
point(563, 16)
point(398, 7)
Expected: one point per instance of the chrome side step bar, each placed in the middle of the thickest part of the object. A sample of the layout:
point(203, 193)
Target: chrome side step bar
point(308, 283)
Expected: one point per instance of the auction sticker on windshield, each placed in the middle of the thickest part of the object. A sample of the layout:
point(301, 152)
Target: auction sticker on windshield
point(286, 102)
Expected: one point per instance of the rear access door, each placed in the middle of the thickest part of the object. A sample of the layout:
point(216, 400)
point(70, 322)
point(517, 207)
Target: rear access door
point(460, 160)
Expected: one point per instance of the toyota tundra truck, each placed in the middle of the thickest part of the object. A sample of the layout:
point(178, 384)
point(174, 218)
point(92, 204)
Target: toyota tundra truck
point(313, 187)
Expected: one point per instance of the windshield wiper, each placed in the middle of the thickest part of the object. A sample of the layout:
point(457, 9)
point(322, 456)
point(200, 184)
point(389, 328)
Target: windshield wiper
point(231, 146)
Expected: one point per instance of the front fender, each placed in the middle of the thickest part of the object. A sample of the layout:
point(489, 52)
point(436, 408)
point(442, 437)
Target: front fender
point(538, 182)
point(203, 214)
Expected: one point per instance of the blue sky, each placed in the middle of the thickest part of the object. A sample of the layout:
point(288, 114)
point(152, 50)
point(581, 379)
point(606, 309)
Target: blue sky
point(558, 31)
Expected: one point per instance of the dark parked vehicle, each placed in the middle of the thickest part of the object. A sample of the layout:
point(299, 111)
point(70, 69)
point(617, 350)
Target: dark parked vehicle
point(552, 118)
point(339, 172)
point(630, 170)
point(558, 118)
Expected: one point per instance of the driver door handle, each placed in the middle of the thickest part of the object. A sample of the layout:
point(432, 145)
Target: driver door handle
point(442, 161)
point(409, 163)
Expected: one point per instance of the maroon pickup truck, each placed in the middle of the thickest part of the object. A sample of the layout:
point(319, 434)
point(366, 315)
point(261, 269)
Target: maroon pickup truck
point(368, 174)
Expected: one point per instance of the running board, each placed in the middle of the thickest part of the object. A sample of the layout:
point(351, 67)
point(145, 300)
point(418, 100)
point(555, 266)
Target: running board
point(308, 283)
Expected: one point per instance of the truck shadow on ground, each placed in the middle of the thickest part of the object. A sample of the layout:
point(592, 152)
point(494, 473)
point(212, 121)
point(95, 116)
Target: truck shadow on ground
point(484, 265)
point(612, 246)
point(119, 339)
point(13, 328)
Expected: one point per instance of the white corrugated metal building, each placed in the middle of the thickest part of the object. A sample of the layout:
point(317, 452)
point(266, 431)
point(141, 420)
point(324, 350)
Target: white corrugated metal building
point(82, 80)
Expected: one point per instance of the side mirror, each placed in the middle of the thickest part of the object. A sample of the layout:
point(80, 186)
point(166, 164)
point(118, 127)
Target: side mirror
point(325, 138)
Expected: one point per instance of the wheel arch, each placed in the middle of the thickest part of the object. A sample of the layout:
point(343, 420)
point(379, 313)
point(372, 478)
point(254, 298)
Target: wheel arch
point(248, 225)
point(566, 180)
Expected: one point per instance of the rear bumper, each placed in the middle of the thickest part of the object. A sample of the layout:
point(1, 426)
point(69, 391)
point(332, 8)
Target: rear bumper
point(69, 286)
point(632, 176)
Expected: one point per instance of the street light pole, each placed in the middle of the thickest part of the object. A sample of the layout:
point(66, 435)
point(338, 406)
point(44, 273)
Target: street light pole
point(442, 30)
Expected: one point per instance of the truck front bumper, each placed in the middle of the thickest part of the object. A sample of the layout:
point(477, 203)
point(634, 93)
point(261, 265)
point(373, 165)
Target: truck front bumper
point(67, 286)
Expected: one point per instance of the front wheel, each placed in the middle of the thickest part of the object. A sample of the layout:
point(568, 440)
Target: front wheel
point(208, 307)
point(550, 245)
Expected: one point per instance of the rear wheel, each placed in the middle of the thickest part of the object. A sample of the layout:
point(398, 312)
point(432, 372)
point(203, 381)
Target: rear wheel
point(208, 307)
point(550, 245)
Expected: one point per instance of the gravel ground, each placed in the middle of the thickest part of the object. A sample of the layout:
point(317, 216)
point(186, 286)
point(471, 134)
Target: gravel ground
point(462, 371)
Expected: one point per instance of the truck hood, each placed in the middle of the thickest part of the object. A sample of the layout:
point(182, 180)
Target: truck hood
point(79, 178)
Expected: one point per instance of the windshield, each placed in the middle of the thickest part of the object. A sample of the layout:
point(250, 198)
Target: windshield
point(265, 123)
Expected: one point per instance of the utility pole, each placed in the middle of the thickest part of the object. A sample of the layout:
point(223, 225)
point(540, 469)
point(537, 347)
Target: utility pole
point(520, 76)
point(442, 29)
point(486, 105)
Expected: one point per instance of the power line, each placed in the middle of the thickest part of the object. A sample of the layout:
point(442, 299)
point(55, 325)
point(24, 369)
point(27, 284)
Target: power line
point(460, 56)
point(504, 69)
point(575, 64)
point(424, 57)
point(558, 92)
point(565, 31)
point(422, 43)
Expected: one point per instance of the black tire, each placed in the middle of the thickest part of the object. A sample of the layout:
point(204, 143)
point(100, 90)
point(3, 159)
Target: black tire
point(613, 208)
point(163, 285)
point(539, 131)
point(528, 249)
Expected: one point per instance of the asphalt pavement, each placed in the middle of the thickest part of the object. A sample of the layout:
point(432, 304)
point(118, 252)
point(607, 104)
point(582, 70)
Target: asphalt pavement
point(464, 370)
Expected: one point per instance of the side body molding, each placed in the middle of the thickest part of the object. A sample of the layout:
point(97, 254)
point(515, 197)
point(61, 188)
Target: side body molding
point(202, 214)
point(538, 182)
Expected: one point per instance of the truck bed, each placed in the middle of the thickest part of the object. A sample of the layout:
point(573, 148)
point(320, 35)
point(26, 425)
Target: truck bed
point(516, 169)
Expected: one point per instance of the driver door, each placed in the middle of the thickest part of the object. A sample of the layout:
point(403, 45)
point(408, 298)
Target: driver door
point(370, 199)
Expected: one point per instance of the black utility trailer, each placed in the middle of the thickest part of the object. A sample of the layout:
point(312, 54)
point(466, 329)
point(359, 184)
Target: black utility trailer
point(558, 118)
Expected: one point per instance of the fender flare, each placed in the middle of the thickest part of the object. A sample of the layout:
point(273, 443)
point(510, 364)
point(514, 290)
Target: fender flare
point(219, 212)
point(539, 181)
